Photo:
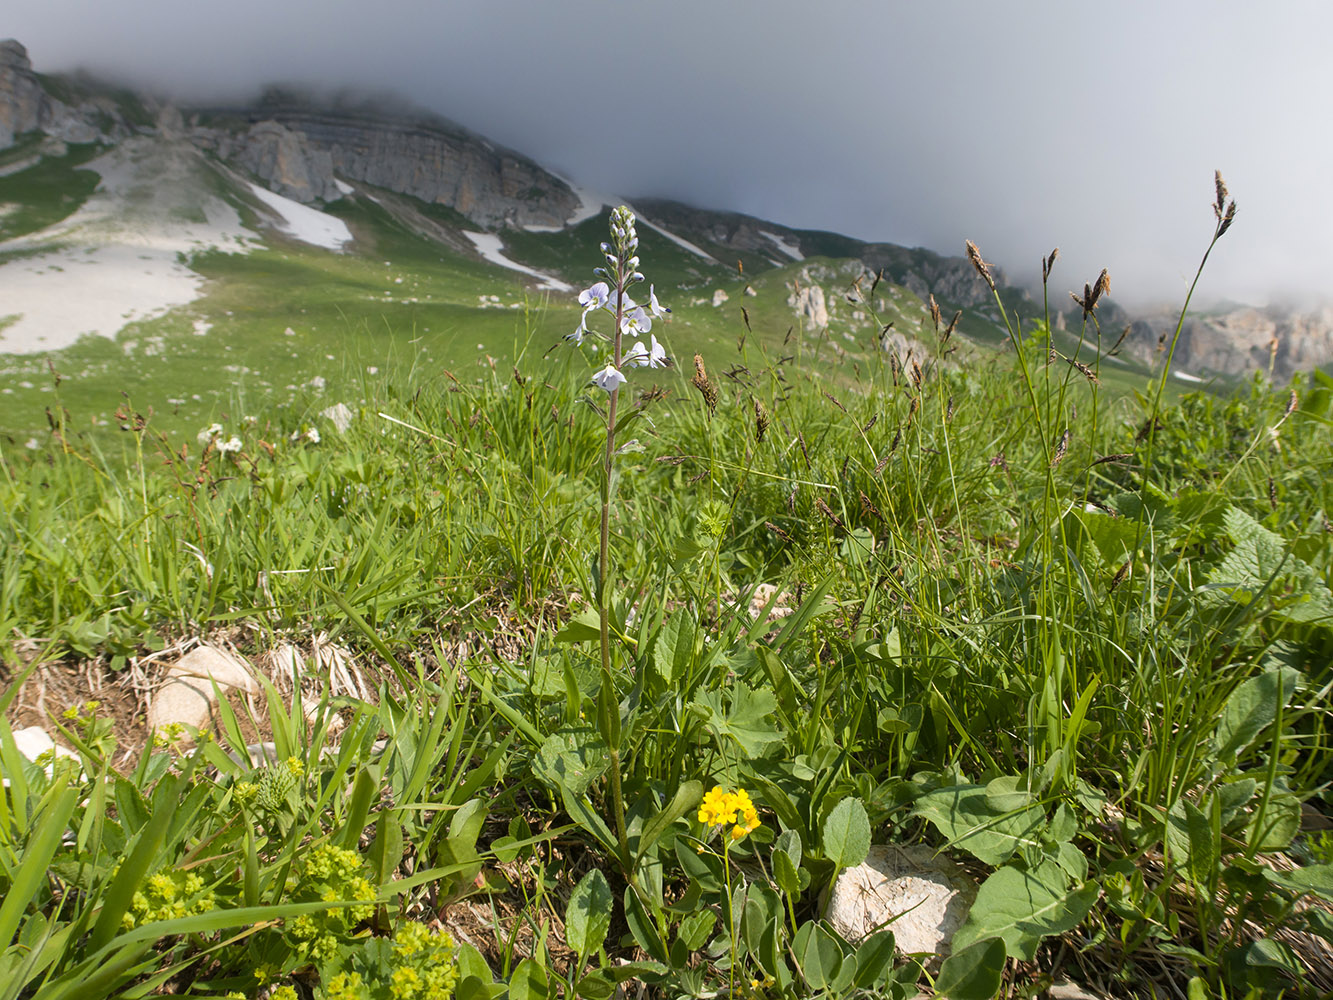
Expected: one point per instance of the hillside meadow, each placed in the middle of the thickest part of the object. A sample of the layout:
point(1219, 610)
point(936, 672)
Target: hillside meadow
point(1072, 635)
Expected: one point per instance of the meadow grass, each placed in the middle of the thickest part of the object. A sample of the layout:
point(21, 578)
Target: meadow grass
point(1077, 638)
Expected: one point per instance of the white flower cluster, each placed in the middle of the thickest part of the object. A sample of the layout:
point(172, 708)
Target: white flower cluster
point(610, 296)
point(212, 434)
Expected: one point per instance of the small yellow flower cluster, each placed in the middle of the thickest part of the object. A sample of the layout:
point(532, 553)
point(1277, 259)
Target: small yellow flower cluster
point(170, 735)
point(720, 808)
point(168, 896)
point(83, 713)
point(345, 986)
point(429, 972)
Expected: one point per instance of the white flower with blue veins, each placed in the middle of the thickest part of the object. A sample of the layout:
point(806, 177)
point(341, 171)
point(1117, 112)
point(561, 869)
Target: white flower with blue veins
point(609, 378)
point(652, 357)
point(654, 306)
point(596, 296)
point(636, 321)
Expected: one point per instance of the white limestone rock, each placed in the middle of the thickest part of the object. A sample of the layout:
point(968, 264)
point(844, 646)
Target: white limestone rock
point(34, 741)
point(809, 303)
point(340, 415)
point(186, 696)
point(922, 897)
point(719, 296)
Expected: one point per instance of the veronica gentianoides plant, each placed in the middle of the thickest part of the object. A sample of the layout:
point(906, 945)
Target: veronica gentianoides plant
point(632, 319)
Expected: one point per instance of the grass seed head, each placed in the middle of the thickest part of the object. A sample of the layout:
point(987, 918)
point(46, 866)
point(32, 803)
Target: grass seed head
point(701, 382)
point(869, 507)
point(827, 511)
point(1062, 448)
point(983, 269)
point(1048, 264)
point(760, 420)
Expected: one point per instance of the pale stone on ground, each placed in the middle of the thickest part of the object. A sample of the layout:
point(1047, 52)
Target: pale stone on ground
point(1065, 990)
point(34, 741)
point(762, 595)
point(186, 696)
point(340, 415)
point(719, 296)
point(920, 896)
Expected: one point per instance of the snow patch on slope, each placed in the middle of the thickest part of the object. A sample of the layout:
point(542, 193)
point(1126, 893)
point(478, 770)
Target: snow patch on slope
point(120, 257)
point(309, 225)
point(792, 251)
point(677, 240)
point(491, 247)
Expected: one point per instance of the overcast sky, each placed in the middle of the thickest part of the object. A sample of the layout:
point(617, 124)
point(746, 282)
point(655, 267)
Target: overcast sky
point(1021, 125)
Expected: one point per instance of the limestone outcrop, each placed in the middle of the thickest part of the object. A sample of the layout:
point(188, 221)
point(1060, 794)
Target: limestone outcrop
point(1238, 341)
point(25, 106)
point(285, 161)
point(435, 161)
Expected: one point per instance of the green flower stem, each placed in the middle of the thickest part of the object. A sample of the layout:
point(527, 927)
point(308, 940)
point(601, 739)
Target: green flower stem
point(611, 710)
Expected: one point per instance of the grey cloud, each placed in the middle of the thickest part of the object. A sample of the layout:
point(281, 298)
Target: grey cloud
point(1022, 126)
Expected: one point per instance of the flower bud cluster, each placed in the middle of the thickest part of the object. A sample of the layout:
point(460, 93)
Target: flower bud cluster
point(610, 296)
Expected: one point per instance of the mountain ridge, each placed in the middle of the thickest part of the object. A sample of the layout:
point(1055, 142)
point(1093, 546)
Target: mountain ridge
point(313, 149)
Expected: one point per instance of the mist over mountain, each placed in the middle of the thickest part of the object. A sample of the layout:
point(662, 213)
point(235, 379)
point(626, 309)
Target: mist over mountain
point(311, 142)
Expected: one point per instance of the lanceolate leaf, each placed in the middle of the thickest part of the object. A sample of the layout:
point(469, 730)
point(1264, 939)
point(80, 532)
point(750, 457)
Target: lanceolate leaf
point(588, 916)
point(847, 833)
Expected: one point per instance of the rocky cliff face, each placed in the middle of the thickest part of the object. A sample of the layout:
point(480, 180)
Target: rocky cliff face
point(300, 151)
point(1238, 341)
point(280, 157)
point(25, 106)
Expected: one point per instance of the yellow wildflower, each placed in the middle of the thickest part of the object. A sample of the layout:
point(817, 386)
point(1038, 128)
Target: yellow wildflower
point(721, 808)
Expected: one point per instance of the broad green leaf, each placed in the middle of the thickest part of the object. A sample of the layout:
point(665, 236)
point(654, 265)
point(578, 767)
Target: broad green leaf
point(784, 873)
point(1317, 879)
point(596, 986)
point(974, 972)
point(1022, 907)
point(1260, 564)
point(875, 959)
point(741, 718)
point(1008, 793)
point(572, 758)
point(818, 954)
point(673, 652)
point(1190, 843)
point(588, 915)
point(529, 981)
point(789, 842)
point(1273, 826)
point(847, 833)
point(1266, 953)
point(1252, 708)
point(964, 815)
point(695, 928)
point(583, 627)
